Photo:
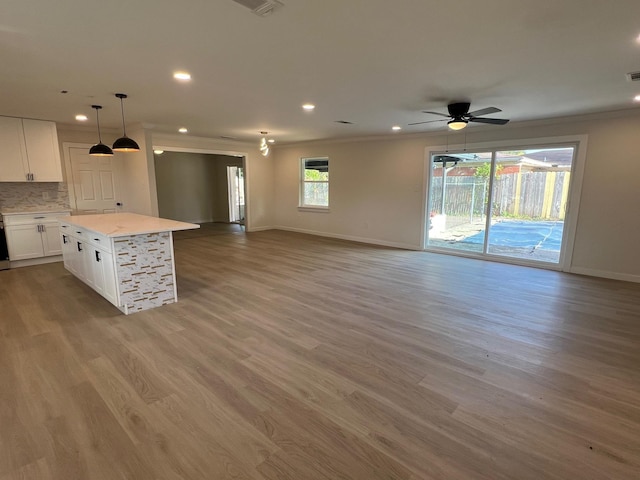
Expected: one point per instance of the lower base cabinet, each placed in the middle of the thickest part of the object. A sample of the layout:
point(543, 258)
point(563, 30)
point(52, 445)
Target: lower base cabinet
point(92, 264)
point(33, 235)
point(104, 274)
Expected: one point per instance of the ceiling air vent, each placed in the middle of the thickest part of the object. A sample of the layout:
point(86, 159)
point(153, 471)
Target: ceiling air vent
point(633, 76)
point(261, 8)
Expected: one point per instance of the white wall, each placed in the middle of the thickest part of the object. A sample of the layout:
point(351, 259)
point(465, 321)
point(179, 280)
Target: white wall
point(135, 180)
point(186, 186)
point(376, 188)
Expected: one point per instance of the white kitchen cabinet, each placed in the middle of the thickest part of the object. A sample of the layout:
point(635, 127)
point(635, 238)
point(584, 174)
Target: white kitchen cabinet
point(24, 241)
point(104, 274)
point(13, 151)
point(33, 235)
point(51, 239)
point(29, 151)
point(68, 251)
point(89, 256)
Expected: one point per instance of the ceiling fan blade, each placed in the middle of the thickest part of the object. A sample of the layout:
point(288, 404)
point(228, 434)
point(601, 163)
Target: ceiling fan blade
point(493, 121)
point(428, 121)
point(484, 111)
point(436, 113)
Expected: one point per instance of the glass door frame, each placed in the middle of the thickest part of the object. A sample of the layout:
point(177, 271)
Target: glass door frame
point(578, 142)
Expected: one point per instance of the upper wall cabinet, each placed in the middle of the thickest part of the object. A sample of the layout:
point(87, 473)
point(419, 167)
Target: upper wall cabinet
point(29, 151)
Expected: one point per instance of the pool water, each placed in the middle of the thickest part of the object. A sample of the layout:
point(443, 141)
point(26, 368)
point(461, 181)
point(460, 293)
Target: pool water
point(523, 234)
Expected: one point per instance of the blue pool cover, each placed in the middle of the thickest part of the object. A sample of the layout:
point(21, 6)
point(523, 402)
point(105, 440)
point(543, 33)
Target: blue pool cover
point(523, 234)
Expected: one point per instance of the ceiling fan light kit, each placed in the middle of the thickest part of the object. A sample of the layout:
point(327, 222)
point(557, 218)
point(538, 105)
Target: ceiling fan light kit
point(124, 143)
point(457, 123)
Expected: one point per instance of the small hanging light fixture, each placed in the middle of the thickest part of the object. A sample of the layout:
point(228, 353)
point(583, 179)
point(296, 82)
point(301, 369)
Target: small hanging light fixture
point(124, 143)
point(264, 146)
point(99, 149)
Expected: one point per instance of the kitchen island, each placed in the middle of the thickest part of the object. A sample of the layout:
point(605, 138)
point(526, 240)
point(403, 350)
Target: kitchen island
point(125, 257)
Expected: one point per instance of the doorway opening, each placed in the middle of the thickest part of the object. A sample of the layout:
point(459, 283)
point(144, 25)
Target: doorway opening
point(203, 188)
point(506, 204)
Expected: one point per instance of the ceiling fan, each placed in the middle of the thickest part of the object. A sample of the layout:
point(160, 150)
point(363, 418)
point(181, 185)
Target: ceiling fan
point(460, 115)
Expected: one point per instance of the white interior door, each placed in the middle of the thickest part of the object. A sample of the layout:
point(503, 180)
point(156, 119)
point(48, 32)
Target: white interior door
point(93, 182)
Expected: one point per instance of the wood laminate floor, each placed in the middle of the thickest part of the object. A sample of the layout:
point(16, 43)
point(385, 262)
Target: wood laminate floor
point(294, 357)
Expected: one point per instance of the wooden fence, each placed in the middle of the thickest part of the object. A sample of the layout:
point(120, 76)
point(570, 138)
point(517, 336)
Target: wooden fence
point(535, 195)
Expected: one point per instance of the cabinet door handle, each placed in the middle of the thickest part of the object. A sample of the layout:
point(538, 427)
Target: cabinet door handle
point(97, 256)
point(79, 246)
point(39, 228)
point(64, 239)
point(33, 177)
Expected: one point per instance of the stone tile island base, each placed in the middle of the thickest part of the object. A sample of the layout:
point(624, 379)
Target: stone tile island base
point(145, 271)
point(125, 257)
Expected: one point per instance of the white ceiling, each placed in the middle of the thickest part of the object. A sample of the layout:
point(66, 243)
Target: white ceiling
point(376, 63)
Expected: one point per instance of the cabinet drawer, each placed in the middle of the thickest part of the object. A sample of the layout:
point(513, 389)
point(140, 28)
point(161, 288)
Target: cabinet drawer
point(98, 240)
point(33, 218)
point(86, 236)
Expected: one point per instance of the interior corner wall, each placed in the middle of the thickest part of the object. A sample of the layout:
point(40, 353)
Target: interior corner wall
point(376, 188)
point(136, 191)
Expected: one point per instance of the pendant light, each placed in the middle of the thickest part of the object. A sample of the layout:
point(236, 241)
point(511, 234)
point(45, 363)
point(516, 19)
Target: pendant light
point(99, 149)
point(124, 143)
point(264, 146)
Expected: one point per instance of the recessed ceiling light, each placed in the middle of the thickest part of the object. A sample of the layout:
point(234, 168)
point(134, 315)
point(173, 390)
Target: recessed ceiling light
point(184, 76)
point(636, 98)
point(183, 130)
point(638, 39)
point(308, 107)
point(396, 128)
point(158, 152)
point(271, 140)
point(81, 118)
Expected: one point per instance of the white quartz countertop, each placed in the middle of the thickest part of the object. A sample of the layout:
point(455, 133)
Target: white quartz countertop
point(124, 224)
point(32, 210)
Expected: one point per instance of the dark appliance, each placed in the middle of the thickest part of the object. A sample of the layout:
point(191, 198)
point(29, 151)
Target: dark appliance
point(4, 252)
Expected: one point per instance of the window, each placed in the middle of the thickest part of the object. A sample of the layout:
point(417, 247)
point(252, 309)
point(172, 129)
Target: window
point(314, 182)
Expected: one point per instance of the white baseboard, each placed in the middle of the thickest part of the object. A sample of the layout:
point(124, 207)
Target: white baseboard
point(592, 272)
point(371, 241)
point(259, 229)
point(35, 261)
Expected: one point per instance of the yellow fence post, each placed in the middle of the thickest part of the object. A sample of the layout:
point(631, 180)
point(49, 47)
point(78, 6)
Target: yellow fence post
point(549, 187)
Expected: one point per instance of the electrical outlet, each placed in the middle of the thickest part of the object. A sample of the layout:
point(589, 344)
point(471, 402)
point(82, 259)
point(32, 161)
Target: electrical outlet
point(45, 195)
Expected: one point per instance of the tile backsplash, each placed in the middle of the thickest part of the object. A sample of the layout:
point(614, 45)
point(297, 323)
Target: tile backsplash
point(16, 195)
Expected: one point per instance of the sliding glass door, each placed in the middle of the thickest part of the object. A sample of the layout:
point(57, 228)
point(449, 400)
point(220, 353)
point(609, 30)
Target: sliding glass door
point(507, 203)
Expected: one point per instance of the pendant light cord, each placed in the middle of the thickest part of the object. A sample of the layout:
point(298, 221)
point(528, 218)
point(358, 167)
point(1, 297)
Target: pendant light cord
point(98, 122)
point(124, 129)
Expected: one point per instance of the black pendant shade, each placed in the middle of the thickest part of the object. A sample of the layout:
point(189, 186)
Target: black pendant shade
point(99, 149)
point(124, 143)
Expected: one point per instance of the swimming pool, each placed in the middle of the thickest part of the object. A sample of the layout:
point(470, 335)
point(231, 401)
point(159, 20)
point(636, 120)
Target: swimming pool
point(543, 235)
